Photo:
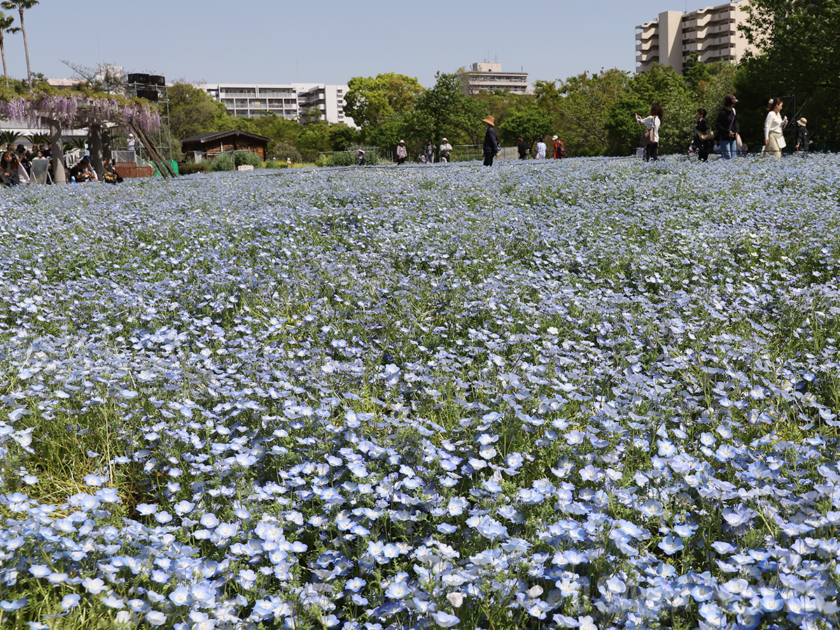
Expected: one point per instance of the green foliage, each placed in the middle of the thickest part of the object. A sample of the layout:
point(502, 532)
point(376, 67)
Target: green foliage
point(247, 158)
point(274, 164)
point(190, 169)
point(8, 137)
point(580, 107)
point(222, 162)
point(502, 104)
point(341, 158)
point(529, 124)
point(448, 111)
point(622, 129)
point(342, 136)
point(372, 100)
point(283, 150)
point(388, 134)
point(314, 139)
point(192, 111)
point(799, 42)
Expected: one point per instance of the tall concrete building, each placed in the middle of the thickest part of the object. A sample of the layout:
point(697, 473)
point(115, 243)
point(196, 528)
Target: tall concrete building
point(306, 102)
point(488, 77)
point(674, 37)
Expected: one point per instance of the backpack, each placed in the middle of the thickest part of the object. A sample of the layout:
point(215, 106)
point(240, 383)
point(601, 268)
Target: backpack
point(561, 149)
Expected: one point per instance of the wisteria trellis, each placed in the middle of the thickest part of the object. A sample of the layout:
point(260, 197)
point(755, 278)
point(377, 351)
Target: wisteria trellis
point(594, 393)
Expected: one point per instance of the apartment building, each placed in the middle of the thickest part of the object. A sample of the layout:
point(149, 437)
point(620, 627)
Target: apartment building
point(306, 102)
point(674, 37)
point(488, 77)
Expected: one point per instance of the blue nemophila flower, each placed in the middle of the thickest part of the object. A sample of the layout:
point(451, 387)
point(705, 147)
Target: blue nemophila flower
point(671, 545)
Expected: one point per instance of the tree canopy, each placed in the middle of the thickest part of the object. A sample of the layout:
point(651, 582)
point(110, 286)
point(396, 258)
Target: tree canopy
point(371, 100)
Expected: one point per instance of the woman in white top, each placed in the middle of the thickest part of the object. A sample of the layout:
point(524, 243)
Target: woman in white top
point(653, 123)
point(774, 124)
point(540, 150)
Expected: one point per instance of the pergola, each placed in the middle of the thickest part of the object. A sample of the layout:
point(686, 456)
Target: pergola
point(94, 112)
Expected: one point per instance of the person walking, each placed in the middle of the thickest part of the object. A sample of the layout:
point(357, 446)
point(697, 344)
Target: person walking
point(541, 148)
point(728, 128)
point(491, 145)
point(774, 124)
point(704, 137)
point(522, 148)
point(402, 152)
point(802, 141)
point(652, 124)
point(429, 152)
point(445, 150)
point(559, 148)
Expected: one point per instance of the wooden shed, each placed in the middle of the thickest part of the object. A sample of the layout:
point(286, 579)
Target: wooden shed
point(216, 142)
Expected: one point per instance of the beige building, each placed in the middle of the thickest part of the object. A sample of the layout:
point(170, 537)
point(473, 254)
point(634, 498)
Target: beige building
point(488, 77)
point(674, 37)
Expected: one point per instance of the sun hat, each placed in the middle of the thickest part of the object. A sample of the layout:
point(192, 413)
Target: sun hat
point(490, 121)
point(402, 141)
point(554, 137)
point(445, 140)
point(802, 121)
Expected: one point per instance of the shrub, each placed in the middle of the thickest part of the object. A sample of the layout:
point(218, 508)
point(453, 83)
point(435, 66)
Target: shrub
point(247, 158)
point(276, 164)
point(342, 158)
point(222, 162)
point(283, 150)
point(322, 160)
point(190, 169)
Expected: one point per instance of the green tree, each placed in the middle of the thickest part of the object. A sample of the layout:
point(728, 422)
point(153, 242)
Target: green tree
point(388, 134)
point(580, 107)
point(531, 123)
point(623, 132)
point(448, 111)
point(503, 104)
point(21, 6)
point(314, 139)
point(343, 136)
point(800, 40)
point(192, 111)
point(6, 22)
point(371, 100)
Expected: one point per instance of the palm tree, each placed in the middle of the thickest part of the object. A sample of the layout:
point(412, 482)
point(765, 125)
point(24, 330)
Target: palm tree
point(6, 22)
point(21, 6)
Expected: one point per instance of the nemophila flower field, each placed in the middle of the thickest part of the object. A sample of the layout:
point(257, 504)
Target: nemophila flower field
point(596, 393)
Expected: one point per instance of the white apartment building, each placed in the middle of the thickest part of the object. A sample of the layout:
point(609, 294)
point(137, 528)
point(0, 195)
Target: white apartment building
point(293, 101)
point(488, 77)
point(674, 37)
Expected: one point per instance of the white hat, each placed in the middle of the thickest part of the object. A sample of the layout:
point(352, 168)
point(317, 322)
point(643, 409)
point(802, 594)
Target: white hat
point(554, 137)
point(445, 140)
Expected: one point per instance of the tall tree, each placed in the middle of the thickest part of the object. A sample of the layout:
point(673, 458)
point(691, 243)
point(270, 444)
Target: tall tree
point(529, 124)
point(800, 40)
point(192, 111)
point(21, 6)
point(370, 101)
point(448, 111)
point(6, 22)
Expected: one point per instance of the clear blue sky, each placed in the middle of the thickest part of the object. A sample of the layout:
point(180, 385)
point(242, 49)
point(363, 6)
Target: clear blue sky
point(330, 41)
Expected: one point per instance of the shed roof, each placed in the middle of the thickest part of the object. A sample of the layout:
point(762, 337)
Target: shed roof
point(215, 136)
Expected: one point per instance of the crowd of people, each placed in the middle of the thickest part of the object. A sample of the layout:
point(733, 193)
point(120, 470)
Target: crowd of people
point(725, 136)
point(21, 166)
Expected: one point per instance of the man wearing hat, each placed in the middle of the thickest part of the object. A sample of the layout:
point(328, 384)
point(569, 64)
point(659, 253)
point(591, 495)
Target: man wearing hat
point(491, 142)
point(802, 140)
point(132, 142)
point(82, 172)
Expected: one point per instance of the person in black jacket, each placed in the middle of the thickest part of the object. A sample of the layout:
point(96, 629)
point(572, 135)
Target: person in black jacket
point(801, 141)
point(702, 127)
point(728, 128)
point(523, 147)
point(491, 142)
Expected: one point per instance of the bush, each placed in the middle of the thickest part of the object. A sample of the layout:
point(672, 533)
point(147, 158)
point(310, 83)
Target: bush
point(283, 150)
point(322, 160)
point(190, 169)
point(276, 164)
point(342, 158)
point(244, 158)
point(222, 162)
